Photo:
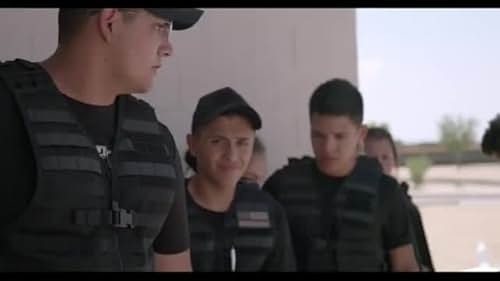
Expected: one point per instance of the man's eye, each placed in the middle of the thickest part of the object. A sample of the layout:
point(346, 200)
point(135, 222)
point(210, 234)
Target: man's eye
point(161, 27)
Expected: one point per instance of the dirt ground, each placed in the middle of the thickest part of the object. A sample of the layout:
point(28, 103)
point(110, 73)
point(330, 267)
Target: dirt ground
point(454, 230)
point(453, 233)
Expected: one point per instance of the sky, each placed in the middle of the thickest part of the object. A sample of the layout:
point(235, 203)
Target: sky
point(417, 65)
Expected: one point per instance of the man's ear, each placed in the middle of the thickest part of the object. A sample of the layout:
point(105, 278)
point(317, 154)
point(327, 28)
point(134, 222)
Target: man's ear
point(105, 21)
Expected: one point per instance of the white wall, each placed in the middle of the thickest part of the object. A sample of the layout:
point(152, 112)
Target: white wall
point(27, 33)
point(274, 57)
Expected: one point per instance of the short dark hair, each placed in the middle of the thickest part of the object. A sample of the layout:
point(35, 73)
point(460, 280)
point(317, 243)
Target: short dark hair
point(379, 133)
point(490, 144)
point(337, 97)
point(70, 20)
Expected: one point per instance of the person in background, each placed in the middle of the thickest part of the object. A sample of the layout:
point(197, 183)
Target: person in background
point(256, 170)
point(380, 145)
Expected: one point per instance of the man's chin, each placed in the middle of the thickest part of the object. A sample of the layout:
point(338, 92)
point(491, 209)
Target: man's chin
point(231, 182)
point(142, 90)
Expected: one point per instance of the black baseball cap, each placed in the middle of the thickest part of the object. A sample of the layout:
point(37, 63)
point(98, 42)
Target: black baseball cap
point(219, 102)
point(183, 18)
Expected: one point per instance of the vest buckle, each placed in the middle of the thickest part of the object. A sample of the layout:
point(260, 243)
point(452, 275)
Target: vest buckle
point(121, 217)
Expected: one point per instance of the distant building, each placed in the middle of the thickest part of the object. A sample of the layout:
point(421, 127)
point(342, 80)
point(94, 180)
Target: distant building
point(439, 154)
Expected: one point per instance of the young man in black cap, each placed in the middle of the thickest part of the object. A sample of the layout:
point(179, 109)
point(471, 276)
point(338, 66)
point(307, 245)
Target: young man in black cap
point(92, 181)
point(234, 225)
point(344, 213)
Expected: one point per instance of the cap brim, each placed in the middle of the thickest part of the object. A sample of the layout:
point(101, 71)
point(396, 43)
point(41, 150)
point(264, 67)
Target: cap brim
point(247, 112)
point(183, 18)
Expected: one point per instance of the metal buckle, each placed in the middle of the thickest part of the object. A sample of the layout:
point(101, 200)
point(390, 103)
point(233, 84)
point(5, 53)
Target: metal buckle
point(121, 217)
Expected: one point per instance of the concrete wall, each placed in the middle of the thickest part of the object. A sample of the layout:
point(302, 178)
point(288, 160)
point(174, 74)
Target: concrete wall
point(274, 57)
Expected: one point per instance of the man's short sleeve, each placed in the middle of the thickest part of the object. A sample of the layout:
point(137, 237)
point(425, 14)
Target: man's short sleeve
point(174, 235)
point(396, 225)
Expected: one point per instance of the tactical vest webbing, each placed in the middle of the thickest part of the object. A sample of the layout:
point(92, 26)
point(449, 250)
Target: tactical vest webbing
point(87, 214)
point(249, 226)
point(346, 239)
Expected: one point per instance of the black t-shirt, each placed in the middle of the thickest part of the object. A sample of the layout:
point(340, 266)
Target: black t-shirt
point(222, 258)
point(18, 171)
point(281, 258)
point(392, 210)
point(420, 240)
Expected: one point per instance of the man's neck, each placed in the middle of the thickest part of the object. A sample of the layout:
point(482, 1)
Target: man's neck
point(339, 172)
point(209, 195)
point(82, 76)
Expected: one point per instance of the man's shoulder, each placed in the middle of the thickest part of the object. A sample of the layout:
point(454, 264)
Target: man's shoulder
point(390, 189)
point(296, 166)
point(164, 129)
point(17, 67)
point(252, 190)
point(168, 137)
point(144, 105)
point(300, 162)
point(389, 182)
point(140, 103)
point(297, 173)
point(13, 68)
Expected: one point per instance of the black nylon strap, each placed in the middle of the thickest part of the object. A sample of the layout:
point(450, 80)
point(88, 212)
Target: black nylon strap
point(147, 169)
point(71, 163)
point(199, 245)
point(126, 145)
point(357, 216)
point(25, 81)
point(63, 243)
point(140, 126)
point(55, 116)
point(62, 139)
point(253, 241)
point(118, 218)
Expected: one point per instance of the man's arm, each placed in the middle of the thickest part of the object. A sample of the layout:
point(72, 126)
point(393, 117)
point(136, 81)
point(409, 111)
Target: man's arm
point(396, 228)
point(17, 168)
point(272, 184)
point(403, 259)
point(173, 262)
point(421, 240)
point(171, 246)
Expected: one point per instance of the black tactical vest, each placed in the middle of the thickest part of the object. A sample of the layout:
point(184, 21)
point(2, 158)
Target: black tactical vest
point(87, 214)
point(345, 238)
point(250, 227)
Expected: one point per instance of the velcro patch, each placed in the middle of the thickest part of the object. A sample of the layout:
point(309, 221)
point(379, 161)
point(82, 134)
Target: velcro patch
point(253, 219)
